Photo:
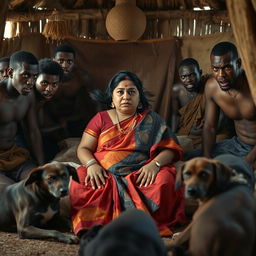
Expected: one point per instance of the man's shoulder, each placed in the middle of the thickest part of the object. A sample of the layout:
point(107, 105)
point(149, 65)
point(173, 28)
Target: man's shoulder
point(3, 90)
point(179, 91)
point(30, 97)
point(177, 87)
point(211, 83)
point(205, 78)
point(83, 75)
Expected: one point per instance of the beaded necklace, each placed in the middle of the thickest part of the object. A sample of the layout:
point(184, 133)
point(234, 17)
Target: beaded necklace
point(128, 130)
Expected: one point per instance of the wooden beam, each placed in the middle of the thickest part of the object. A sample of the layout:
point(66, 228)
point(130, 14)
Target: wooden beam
point(211, 16)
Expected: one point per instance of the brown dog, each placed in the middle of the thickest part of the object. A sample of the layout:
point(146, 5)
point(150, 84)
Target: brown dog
point(32, 202)
point(225, 222)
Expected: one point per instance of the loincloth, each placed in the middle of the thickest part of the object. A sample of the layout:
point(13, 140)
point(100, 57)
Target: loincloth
point(13, 157)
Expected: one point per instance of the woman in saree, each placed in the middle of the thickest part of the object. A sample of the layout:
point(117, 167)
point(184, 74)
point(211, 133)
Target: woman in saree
point(127, 152)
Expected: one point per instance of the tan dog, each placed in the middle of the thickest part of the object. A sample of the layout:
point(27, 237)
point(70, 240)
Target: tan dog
point(225, 222)
point(31, 203)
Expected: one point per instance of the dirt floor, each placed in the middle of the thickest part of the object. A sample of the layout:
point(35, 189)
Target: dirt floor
point(11, 244)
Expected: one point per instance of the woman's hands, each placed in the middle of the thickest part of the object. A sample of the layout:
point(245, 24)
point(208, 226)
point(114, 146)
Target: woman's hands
point(147, 174)
point(96, 175)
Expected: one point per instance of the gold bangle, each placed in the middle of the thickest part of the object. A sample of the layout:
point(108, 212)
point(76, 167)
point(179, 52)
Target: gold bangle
point(90, 163)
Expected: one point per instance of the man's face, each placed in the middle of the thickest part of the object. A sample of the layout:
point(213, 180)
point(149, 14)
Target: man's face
point(4, 70)
point(190, 77)
point(47, 85)
point(225, 70)
point(23, 77)
point(66, 61)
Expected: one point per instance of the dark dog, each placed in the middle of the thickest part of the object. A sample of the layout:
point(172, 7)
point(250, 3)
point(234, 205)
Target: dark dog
point(32, 202)
point(133, 233)
point(225, 222)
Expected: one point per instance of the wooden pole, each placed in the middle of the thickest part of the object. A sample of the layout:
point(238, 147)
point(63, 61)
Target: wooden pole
point(3, 14)
point(243, 20)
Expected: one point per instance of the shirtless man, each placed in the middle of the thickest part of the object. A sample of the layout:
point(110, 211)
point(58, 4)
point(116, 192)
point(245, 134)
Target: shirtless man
point(4, 65)
point(71, 107)
point(229, 91)
point(190, 86)
point(17, 103)
point(188, 105)
point(47, 84)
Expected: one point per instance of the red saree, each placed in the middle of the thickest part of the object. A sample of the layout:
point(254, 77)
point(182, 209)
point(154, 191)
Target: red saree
point(122, 155)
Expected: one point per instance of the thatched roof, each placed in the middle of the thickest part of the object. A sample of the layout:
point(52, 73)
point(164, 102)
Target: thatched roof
point(36, 9)
point(86, 18)
point(146, 5)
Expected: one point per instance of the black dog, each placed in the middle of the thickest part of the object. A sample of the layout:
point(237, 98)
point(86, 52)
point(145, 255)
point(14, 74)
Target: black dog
point(32, 202)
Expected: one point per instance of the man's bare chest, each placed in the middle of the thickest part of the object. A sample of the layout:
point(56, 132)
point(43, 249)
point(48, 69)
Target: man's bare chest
point(239, 107)
point(13, 109)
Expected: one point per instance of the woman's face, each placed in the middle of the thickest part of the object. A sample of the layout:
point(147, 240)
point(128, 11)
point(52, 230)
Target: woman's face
point(126, 97)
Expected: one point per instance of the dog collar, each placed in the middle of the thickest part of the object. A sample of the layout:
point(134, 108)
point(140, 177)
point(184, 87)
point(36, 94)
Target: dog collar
point(238, 178)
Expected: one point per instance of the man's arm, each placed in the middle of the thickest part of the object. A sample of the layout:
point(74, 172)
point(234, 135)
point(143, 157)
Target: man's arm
point(33, 131)
point(251, 158)
point(211, 117)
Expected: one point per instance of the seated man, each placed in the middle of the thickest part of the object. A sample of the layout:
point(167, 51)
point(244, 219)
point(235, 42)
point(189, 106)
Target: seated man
point(17, 103)
point(71, 107)
point(4, 65)
point(47, 84)
point(188, 105)
point(228, 90)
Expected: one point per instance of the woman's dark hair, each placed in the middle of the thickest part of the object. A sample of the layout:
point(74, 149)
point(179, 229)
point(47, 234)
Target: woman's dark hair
point(105, 98)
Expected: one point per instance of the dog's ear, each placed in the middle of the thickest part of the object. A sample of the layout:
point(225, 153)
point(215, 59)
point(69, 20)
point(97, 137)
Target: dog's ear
point(34, 175)
point(222, 175)
point(73, 173)
point(179, 176)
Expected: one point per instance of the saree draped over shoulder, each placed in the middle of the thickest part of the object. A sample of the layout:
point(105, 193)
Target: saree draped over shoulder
point(122, 155)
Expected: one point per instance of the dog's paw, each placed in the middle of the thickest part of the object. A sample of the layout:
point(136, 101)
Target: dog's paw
point(69, 239)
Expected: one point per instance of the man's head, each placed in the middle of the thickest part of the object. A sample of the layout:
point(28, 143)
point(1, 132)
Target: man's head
point(4, 65)
point(134, 232)
point(190, 74)
point(65, 56)
point(50, 74)
point(225, 64)
point(23, 71)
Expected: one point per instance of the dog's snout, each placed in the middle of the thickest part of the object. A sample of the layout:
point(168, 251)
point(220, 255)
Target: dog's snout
point(192, 191)
point(63, 191)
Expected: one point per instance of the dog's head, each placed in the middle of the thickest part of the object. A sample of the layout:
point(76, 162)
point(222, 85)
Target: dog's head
point(53, 177)
point(203, 177)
